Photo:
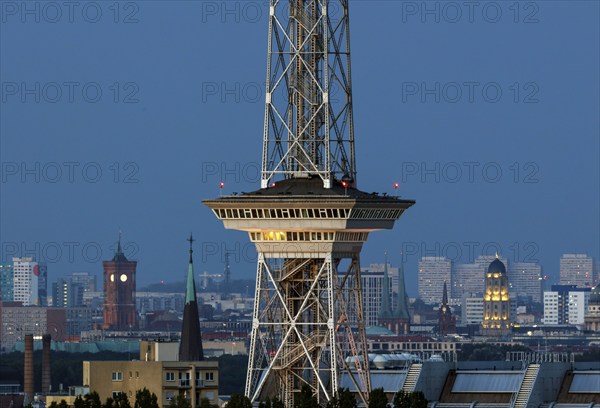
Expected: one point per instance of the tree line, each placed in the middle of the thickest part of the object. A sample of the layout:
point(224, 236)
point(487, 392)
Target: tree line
point(143, 399)
point(344, 398)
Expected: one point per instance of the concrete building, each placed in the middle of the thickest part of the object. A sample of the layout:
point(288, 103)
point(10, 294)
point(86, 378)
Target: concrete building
point(393, 273)
point(525, 281)
point(42, 284)
point(577, 269)
point(467, 279)
point(167, 379)
point(578, 305)
point(372, 287)
point(70, 291)
point(410, 344)
point(61, 292)
point(78, 320)
point(472, 309)
point(16, 321)
point(6, 282)
point(565, 304)
point(433, 272)
point(155, 301)
point(29, 282)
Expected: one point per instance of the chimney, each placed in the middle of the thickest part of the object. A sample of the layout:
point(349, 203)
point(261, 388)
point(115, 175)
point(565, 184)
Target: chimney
point(28, 369)
point(46, 373)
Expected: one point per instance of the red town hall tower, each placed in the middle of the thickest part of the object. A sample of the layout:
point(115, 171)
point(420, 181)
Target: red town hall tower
point(119, 292)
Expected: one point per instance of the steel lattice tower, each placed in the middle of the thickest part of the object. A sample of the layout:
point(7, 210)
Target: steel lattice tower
point(308, 118)
point(308, 220)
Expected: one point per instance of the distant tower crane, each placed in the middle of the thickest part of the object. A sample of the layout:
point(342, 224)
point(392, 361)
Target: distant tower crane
point(205, 276)
point(227, 272)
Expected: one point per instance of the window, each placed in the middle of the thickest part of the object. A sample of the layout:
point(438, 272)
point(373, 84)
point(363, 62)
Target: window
point(169, 395)
point(209, 376)
point(117, 376)
point(170, 376)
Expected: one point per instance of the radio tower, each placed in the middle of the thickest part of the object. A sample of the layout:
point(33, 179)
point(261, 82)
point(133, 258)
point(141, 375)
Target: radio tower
point(308, 220)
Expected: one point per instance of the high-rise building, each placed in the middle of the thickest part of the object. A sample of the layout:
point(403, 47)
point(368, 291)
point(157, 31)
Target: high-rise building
point(467, 279)
point(17, 320)
point(190, 347)
point(42, 284)
point(29, 284)
point(6, 282)
point(496, 301)
point(565, 304)
point(70, 291)
point(119, 292)
point(393, 273)
point(433, 272)
point(472, 308)
point(578, 304)
point(60, 293)
point(85, 279)
point(577, 269)
point(372, 287)
point(525, 281)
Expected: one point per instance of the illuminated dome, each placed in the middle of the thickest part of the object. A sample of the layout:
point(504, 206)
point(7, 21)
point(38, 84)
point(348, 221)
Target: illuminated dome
point(497, 266)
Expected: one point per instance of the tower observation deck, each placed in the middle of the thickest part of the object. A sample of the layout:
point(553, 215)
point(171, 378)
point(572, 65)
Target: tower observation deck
point(308, 221)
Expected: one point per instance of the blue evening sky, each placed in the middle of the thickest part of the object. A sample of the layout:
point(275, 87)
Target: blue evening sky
point(121, 115)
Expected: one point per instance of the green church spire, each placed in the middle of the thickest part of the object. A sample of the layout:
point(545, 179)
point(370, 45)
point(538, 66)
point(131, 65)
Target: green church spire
point(190, 294)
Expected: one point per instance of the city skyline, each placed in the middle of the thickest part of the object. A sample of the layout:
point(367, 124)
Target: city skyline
point(461, 278)
point(155, 149)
